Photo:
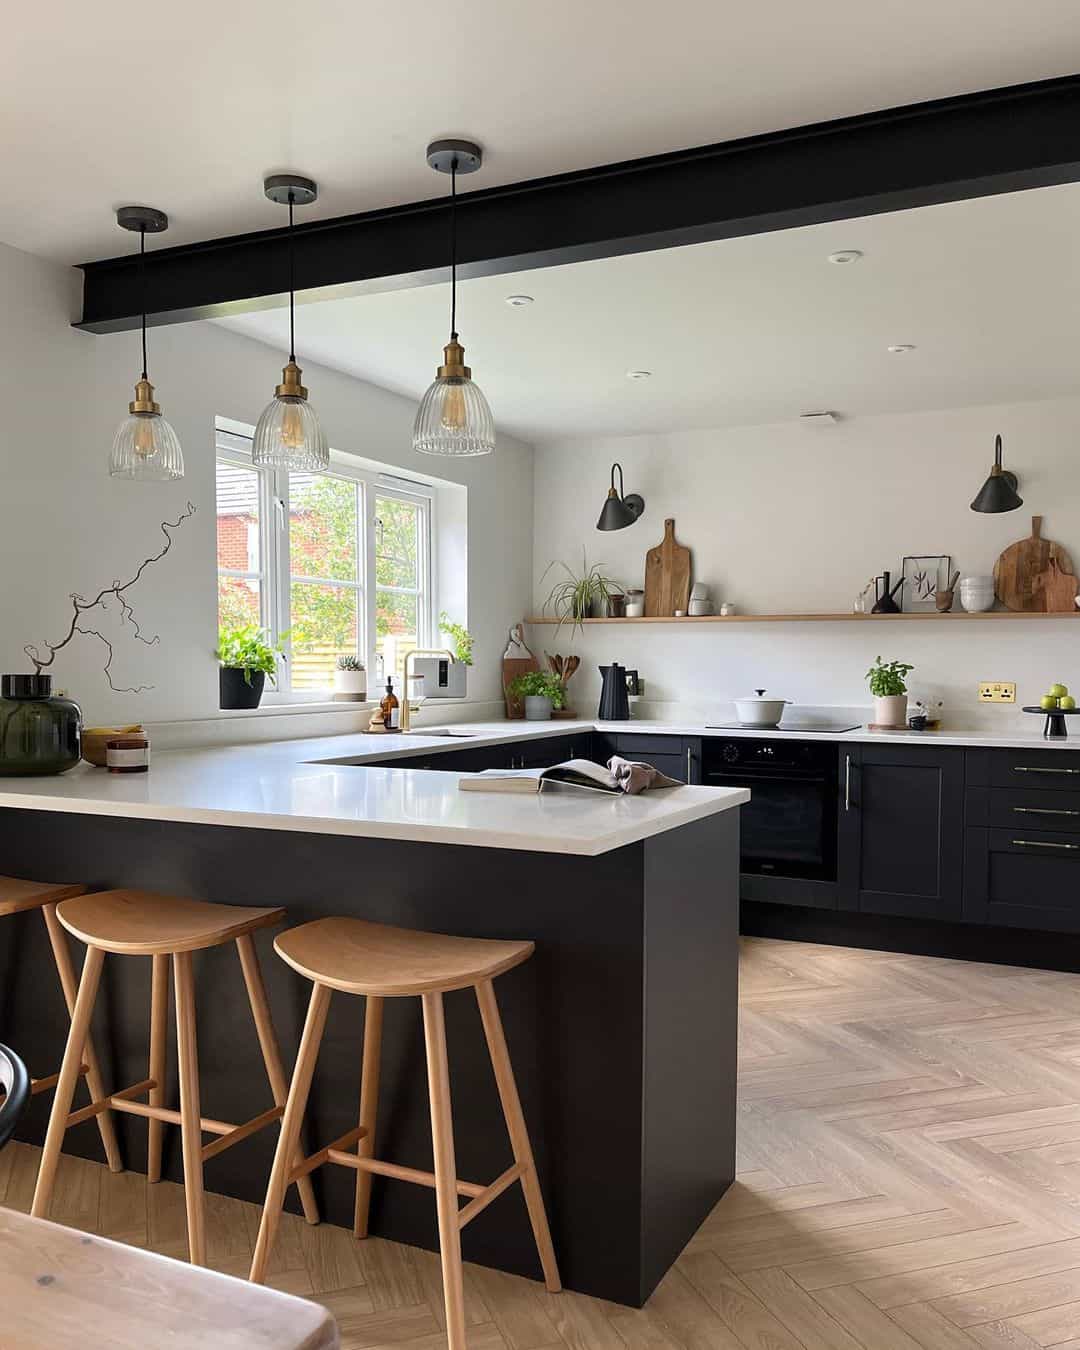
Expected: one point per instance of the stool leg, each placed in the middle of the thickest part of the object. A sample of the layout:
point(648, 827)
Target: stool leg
point(369, 1106)
point(159, 1025)
point(289, 1138)
point(275, 1071)
point(187, 1056)
point(519, 1134)
point(69, 1076)
point(68, 983)
point(442, 1136)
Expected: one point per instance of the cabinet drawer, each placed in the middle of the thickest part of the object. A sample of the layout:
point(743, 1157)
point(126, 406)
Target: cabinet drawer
point(1023, 878)
point(1020, 809)
point(640, 746)
point(1054, 770)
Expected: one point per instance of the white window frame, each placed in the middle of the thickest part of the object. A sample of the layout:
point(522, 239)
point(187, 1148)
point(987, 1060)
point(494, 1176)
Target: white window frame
point(373, 480)
point(415, 494)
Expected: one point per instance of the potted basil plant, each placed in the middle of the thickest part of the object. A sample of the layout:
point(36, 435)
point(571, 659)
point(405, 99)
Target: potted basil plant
point(542, 692)
point(247, 657)
point(889, 688)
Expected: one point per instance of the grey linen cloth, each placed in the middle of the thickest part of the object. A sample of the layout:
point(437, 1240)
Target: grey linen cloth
point(632, 776)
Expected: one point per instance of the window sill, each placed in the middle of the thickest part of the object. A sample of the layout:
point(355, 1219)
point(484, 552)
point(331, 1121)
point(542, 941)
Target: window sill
point(291, 708)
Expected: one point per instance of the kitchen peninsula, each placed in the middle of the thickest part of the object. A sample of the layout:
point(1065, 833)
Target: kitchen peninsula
point(623, 1027)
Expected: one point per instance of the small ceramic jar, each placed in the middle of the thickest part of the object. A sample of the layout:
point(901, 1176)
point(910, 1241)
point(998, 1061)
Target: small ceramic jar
point(128, 754)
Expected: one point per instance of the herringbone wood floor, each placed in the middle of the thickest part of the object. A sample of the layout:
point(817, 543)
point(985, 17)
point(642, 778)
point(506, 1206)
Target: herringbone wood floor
point(909, 1178)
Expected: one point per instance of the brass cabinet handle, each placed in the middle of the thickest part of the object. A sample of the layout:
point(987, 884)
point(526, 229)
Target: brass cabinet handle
point(1042, 843)
point(1034, 768)
point(847, 782)
point(689, 763)
point(1043, 811)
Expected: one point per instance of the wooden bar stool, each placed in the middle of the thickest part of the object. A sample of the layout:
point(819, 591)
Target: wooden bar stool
point(17, 896)
point(380, 962)
point(140, 923)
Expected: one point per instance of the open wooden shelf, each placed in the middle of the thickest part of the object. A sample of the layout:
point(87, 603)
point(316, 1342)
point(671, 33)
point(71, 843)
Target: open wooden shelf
point(961, 616)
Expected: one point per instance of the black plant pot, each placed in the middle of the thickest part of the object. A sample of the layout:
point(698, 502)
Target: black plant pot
point(236, 692)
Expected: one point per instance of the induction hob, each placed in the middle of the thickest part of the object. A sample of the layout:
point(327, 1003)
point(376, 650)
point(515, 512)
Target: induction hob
point(796, 728)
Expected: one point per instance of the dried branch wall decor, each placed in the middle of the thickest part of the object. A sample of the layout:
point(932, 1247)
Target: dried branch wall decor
point(80, 607)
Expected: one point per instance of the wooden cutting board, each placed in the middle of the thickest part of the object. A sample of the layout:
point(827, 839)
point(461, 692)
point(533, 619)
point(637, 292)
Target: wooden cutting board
point(513, 666)
point(1017, 568)
point(667, 576)
point(1058, 589)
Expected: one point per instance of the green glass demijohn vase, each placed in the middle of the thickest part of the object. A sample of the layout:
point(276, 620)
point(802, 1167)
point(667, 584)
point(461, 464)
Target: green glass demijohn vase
point(39, 734)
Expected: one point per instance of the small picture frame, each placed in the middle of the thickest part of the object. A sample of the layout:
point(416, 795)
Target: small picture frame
point(924, 575)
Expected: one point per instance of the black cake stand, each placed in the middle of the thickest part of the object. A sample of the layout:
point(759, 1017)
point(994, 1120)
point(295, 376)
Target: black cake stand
point(1055, 720)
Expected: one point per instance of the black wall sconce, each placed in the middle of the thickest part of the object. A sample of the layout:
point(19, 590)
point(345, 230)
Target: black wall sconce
point(619, 510)
point(998, 493)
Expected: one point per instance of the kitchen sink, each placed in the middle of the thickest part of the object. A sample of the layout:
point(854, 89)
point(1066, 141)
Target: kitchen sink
point(440, 731)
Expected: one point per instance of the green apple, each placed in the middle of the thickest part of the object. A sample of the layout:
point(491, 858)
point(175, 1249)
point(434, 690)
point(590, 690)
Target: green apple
point(1048, 703)
point(1058, 690)
point(1067, 702)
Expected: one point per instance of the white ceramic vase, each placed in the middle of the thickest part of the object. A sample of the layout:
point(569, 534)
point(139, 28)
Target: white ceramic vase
point(890, 710)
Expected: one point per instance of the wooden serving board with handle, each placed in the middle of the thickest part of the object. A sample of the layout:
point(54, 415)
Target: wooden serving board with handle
point(667, 576)
point(512, 667)
point(1058, 589)
point(1015, 572)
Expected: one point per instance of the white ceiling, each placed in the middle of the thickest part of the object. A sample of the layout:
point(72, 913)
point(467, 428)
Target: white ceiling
point(744, 331)
point(186, 107)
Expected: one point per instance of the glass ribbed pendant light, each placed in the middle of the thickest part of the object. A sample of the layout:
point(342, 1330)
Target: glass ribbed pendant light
point(146, 447)
point(288, 434)
point(454, 417)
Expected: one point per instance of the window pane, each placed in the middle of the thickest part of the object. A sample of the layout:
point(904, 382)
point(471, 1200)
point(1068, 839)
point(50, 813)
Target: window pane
point(237, 518)
point(323, 625)
point(395, 628)
point(322, 527)
point(397, 535)
point(238, 602)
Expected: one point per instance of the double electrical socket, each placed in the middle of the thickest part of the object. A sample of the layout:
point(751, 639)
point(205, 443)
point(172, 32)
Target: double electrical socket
point(997, 691)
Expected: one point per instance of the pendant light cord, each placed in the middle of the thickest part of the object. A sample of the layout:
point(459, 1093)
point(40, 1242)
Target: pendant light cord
point(142, 290)
point(292, 286)
point(453, 249)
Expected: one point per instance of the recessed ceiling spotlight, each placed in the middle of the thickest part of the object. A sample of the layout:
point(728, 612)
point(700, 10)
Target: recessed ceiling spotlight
point(518, 300)
point(845, 255)
point(639, 374)
point(899, 348)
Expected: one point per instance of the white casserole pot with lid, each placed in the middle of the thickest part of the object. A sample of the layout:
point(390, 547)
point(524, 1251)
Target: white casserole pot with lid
point(760, 711)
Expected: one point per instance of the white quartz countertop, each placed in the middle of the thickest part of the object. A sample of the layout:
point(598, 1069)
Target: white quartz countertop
point(290, 785)
point(1019, 740)
point(283, 785)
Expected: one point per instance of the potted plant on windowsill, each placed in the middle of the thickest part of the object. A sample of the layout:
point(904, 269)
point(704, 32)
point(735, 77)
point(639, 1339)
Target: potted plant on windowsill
point(542, 692)
point(350, 680)
point(247, 657)
point(888, 686)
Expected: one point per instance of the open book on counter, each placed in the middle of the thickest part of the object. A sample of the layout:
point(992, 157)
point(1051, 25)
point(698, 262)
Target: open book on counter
point(574, 773)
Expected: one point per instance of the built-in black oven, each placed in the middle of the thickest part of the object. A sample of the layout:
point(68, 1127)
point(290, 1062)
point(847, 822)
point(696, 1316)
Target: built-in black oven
point(788, 828)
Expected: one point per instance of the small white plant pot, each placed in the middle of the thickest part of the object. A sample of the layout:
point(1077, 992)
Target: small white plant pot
point(350, 686)
point(537, 708)
point(891, 710)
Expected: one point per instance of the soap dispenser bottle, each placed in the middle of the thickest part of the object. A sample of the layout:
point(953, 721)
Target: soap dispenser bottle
point(390, 708)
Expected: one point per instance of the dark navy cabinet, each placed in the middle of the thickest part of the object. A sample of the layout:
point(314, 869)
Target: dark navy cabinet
point(900, 836)
point(1022, 839)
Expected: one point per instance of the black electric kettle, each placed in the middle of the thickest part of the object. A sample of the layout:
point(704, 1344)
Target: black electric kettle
point(614, 701)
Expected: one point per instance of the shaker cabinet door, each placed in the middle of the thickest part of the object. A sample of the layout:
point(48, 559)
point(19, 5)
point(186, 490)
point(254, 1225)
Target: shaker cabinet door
point(900, 842)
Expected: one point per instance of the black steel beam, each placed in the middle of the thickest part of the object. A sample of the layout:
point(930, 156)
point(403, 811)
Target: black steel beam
point(1001, 140)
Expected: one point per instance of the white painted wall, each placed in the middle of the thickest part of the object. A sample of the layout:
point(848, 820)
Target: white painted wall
point(66, 526)
point(787, 518)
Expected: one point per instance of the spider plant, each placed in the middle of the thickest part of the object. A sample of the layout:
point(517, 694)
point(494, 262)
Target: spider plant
point(573, 596)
